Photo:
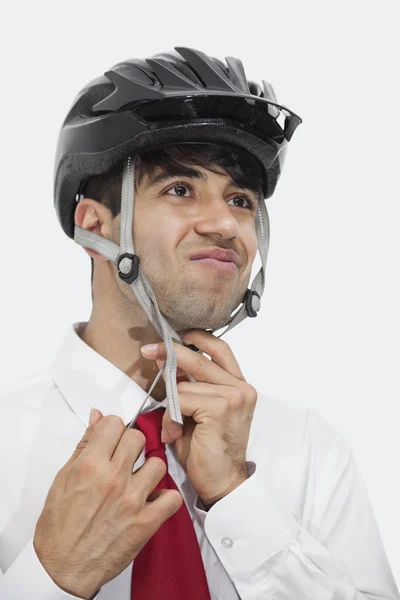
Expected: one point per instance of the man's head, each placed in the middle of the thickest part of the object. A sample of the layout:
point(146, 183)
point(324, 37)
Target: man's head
point(188, 197)
point(180, 97)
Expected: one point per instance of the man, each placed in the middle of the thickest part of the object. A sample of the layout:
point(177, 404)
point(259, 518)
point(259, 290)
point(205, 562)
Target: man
point(193, 485)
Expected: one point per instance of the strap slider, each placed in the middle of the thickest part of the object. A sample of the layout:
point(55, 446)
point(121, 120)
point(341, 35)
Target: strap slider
point(133, 272)
point(252, 302)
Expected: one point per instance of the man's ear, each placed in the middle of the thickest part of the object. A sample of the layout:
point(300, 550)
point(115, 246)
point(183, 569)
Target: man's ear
point(93, 216)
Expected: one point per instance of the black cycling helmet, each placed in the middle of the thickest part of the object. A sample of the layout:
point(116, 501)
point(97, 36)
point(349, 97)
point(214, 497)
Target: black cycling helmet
point(169, 98)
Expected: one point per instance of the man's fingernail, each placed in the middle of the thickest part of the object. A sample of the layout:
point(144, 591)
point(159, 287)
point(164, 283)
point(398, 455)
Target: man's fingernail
point(92, 414)
point(163, 436)
point(149, 349)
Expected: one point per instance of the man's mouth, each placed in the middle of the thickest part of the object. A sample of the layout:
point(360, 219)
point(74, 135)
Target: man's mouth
point(218, 254)
point(217, 258)
point(226, 266)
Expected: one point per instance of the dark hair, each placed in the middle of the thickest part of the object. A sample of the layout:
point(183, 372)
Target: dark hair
point(241, 167)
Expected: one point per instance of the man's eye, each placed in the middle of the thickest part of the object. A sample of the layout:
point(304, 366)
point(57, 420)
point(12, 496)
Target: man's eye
point(250, 203)
point(180, 189)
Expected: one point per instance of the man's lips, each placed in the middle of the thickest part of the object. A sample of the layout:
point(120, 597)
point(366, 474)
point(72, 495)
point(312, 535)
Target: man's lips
point(217, 254)
point(224, 266)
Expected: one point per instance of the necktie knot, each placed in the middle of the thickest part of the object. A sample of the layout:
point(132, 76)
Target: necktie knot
point(150, 425)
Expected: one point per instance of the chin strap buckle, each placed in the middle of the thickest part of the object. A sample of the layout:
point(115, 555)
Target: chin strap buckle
point(252, 302)
point(128, 273)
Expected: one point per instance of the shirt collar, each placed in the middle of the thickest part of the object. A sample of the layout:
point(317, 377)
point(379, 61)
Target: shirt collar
point(86, 379)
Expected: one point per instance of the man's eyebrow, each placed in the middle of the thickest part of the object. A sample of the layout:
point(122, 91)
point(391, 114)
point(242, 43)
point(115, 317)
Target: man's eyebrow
point(164, 175)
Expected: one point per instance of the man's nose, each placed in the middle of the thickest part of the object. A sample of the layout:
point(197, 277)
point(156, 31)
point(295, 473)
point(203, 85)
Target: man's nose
point(217, 218)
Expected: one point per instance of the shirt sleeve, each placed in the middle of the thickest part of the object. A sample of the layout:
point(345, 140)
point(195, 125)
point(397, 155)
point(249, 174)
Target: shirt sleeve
point(337, 554)
point(26, 579)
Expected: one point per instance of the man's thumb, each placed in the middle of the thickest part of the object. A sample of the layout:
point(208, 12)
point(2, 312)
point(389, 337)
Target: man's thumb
point(95, 416)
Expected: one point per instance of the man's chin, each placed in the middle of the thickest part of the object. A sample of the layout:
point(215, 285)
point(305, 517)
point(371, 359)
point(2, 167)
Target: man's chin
point(213, 318)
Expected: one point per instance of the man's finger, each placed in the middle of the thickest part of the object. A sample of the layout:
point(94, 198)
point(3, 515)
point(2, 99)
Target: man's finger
point(171, 431)
point(222, 368)
point(219, 350)
point(83, 442)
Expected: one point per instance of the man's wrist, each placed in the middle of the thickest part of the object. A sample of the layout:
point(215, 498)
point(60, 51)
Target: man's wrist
point(211, 501)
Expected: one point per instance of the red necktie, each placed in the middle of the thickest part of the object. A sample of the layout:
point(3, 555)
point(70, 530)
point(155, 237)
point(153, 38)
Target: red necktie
point(170, 565)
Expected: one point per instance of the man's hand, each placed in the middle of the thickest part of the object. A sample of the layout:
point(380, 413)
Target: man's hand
point(218, 411)
point(98, 514)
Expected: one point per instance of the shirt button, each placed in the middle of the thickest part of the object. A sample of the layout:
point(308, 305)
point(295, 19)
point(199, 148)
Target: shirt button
point(227, 542)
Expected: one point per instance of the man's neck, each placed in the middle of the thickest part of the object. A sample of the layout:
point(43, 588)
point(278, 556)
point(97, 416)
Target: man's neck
point(121, 345)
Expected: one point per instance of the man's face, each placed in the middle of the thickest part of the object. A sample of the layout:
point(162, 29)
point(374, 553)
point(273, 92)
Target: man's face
point(175, 217)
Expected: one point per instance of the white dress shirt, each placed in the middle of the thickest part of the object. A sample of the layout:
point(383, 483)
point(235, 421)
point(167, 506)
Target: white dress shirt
point(301, 527)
